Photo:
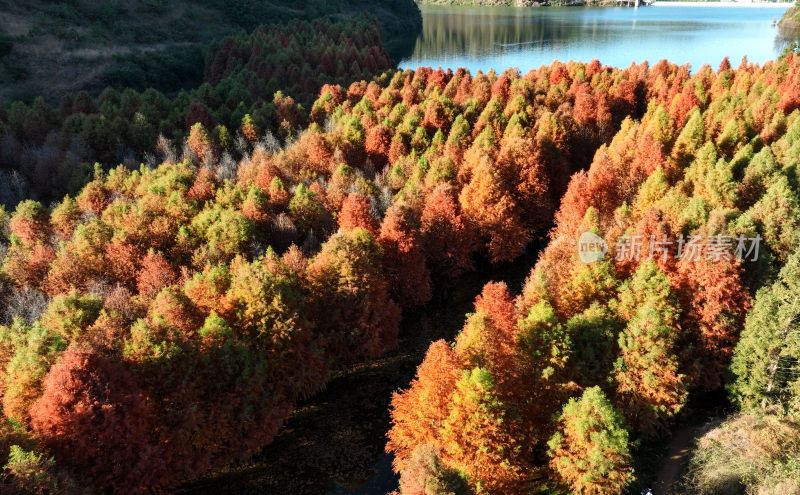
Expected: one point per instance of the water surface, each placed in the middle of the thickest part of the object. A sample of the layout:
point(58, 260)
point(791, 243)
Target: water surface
point(492, 37)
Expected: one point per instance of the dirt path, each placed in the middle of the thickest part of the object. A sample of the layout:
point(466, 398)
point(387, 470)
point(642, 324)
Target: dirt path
point(675, 460)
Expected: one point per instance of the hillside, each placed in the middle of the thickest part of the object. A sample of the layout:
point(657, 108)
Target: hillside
point(50, 48)
point(570, 380)
point(255, 84)
point(789, 28)
point(229, 291)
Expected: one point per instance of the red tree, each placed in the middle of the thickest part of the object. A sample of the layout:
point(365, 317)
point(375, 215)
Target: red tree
point(403, 259)
point(96, 420)
point(355, 213)
point(379, 140)
point(714, 304)
point(488, 339)
point(447, 238)
point(155, 274)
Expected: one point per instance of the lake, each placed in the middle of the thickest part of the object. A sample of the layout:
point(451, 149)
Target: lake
point(492, 37)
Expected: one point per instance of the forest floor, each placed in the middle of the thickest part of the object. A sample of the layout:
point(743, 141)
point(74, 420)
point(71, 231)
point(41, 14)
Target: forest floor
point(334, 440)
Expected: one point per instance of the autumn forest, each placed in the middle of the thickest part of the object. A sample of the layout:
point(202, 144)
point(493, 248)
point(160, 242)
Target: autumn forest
point(180, 270)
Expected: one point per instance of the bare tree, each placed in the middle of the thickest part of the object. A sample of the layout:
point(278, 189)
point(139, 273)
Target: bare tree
point(284, 233)
point(227, 167)
point(26, 303)
point(270, 143)
point(13, 189)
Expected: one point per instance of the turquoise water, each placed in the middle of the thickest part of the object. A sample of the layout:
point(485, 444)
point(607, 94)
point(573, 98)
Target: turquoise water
point(486, 37)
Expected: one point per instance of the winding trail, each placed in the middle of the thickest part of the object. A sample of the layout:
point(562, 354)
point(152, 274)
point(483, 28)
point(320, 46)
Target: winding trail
point(675, 460)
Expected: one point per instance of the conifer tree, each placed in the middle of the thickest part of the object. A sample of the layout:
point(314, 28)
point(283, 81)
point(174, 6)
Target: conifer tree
point(418, 412)
point(479, 437)
point(765, 361)
point(427, 475)
point(650, 388)
point(590, 452)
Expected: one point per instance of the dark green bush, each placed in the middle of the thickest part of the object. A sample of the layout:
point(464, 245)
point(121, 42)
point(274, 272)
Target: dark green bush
point(6, 43)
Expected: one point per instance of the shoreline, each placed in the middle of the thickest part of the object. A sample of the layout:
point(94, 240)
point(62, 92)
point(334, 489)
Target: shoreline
point(679, 3)
point(657, 3)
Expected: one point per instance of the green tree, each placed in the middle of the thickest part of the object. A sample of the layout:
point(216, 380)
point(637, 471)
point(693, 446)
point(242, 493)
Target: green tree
point(650, 388)
point(766, 361)
point(29, 351)
point(590, 449)
point(71, 314)
point(593, 335)
point(304, 208)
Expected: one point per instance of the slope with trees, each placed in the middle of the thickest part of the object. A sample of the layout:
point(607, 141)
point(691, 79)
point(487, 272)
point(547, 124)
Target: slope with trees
point(187, 306)
point(205, 295)
point(789, 28)
point(255, 87)
point(710, 161)
point(52, 48)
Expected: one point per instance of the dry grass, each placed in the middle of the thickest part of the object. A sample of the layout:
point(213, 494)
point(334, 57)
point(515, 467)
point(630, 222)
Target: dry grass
point(748, 454)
